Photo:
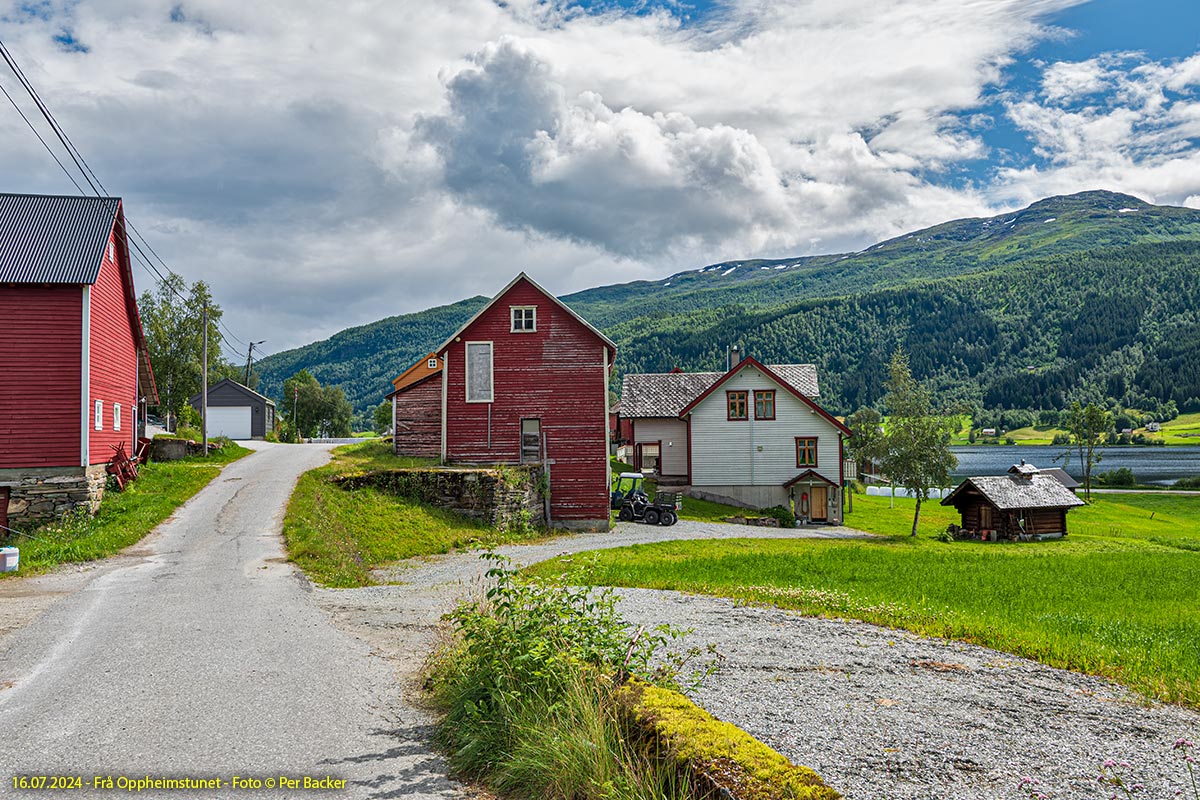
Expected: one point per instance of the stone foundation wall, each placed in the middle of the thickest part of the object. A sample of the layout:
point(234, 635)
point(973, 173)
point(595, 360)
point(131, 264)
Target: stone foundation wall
point(507, 498)
point(37, 495)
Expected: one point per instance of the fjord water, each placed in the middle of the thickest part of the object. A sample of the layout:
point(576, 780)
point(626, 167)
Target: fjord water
point(1161, 465)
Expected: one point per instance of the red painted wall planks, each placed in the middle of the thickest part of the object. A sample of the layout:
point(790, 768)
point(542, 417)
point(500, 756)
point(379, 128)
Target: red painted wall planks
point(41, 354)
point(113, 362)
point(555, 374)
point(417, 418)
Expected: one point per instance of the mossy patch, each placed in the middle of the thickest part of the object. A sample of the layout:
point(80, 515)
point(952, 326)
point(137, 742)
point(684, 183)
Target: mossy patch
point(717, 752)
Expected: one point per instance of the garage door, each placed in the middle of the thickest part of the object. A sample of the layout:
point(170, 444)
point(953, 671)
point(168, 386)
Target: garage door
point(231, 421)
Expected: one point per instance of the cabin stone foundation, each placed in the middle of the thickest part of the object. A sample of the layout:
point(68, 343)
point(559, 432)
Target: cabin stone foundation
point(38, 495)
point(506, 498)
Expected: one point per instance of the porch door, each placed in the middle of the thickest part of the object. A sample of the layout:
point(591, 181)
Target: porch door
point(818, 506)
point(531, 441)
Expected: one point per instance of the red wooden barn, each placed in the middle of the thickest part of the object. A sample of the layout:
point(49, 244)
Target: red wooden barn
point(526, 381)
point(73, 365)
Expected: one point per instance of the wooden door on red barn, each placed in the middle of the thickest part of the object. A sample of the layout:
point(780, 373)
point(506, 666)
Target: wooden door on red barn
point(3, 511)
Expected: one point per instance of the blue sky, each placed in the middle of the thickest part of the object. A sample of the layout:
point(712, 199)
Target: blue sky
point(401, 154)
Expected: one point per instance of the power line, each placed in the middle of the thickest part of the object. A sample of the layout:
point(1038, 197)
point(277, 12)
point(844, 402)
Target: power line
point(137, 254)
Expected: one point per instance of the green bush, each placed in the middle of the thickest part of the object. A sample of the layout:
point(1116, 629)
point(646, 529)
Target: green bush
point(1117, 477)
point(528, 690)
point(785, 516)
point(188, 432)
point(270, 436)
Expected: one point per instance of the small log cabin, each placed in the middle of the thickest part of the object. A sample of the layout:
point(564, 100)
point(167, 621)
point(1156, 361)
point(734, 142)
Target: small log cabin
point(524, 381)
point(1024, 503)
point(74, 370)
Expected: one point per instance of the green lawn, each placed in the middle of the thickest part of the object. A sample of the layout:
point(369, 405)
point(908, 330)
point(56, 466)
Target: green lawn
point(1120, 597)
point(124, 517)
point(1184, 429)
point(337, 536)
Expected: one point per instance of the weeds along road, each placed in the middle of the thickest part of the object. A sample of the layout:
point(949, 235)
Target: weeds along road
point(201, 655)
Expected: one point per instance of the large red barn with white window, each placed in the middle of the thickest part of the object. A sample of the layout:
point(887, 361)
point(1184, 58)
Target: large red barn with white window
point(526, 381)
point(73, 364)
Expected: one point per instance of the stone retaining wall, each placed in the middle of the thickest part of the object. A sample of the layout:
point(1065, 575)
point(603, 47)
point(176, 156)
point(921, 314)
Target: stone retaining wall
point(37, 495)
point(506, 498)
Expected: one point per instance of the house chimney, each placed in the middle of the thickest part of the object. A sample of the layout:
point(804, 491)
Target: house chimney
point(735, 356)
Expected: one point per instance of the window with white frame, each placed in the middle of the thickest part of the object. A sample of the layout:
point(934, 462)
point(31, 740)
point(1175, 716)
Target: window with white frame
point(432, 363)
point(116, 416)
point(479, 372)
point(98, 413)
point(524, 319)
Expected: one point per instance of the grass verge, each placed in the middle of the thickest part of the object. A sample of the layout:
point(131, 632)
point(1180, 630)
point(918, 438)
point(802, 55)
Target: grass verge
point(124, 517)
point(540, 698)
point(1120, 597)
point(338, 536)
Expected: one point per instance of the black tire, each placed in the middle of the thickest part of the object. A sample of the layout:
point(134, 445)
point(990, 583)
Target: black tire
point(625, 514)
point(651, 517)
point(668, 518)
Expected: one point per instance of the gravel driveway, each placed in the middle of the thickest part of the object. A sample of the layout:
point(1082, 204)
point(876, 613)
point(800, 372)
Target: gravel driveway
point(878, 713)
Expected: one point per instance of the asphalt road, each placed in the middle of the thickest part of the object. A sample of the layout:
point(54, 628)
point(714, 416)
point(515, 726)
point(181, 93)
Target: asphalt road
point(203, 655)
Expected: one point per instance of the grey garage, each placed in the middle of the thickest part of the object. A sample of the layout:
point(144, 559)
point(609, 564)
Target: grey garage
point(237, 411)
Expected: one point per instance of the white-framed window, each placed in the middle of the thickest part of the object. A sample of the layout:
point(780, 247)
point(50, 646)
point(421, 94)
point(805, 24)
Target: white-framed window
point(116, 416)
point(432, 364)
point(479, 372)
point(112, 252)
point(98, 413)
point(524, 319)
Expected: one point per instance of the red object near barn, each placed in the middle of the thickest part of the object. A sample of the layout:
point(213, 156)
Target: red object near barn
point(74, 371)
point(524, 381)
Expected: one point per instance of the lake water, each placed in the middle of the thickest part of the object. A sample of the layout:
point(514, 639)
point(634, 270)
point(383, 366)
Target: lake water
point(1162, 465)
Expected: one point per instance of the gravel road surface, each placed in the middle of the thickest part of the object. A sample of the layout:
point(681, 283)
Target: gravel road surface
point(880, 714)
point(201, 654)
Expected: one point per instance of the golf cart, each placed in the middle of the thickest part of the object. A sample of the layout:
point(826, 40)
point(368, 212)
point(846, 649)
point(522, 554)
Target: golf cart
point(634, 505)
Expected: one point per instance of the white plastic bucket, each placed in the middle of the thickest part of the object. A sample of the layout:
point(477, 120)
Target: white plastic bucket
point(10, 559)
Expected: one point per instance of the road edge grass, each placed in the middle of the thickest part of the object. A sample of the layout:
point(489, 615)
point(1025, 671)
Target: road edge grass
point(339, 536)
point(124, 518)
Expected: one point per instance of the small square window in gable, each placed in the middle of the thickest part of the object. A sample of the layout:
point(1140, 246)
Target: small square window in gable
point(524, 319)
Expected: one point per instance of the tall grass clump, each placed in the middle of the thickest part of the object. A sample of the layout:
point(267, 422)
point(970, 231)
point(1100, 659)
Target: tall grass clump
point(528, 687)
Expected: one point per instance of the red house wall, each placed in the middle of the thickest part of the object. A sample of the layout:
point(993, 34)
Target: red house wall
point(417, 419)
point(113, 362)
point(555, 374)
point(41, 354)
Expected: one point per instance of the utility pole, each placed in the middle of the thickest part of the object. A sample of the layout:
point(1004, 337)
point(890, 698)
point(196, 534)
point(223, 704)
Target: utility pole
point(204, 384)
point(250, 361)
point(295, 402)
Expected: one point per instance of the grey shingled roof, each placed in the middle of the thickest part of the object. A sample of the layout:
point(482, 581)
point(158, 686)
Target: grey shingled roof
point(1013, 492)
point(664, 394)
point(53, 239)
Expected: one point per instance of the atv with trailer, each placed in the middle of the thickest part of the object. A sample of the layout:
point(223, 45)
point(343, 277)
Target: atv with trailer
point(632, 504)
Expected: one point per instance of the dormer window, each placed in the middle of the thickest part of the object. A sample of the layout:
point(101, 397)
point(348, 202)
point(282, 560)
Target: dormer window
point(524, 319)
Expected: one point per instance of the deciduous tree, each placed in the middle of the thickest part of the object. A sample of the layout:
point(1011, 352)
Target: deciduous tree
point(917, 441)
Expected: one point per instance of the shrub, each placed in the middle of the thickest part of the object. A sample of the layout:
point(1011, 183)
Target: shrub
point(785, 516)
point(270, 436)
point(1117, 477)
point(528, 692)
point(188, 432)
point(1187, 483)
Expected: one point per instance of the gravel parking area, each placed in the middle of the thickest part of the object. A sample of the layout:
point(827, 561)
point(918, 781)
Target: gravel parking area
point(879, 713)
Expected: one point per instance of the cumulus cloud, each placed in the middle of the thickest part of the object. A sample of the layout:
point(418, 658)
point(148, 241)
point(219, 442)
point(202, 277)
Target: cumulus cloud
point(324, 168)
point(1118, 121)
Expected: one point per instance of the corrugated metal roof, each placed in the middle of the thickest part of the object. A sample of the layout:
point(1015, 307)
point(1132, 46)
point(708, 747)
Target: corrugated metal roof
point(53, 239)
point(664, 394)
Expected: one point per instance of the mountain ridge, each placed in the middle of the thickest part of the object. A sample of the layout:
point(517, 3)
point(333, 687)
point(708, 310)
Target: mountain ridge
point(363, 359)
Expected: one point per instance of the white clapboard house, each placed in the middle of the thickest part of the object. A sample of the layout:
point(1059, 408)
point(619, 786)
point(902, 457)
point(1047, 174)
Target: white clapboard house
point(753, 436)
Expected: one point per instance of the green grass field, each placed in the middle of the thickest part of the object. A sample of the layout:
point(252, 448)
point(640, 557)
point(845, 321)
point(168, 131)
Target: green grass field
point(337, 536)
point(1184, 429)
point(124, 517)
point(1120, 597)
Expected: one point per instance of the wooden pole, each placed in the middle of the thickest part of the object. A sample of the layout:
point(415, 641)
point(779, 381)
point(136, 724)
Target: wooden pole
point(204, 384)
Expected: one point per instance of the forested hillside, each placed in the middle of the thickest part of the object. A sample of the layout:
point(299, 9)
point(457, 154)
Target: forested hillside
point(1094, 292)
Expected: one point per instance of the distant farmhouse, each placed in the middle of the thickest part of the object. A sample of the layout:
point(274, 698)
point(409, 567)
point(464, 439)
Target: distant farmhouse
point(752, 436)
point(524, 381)
point(74, 372)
